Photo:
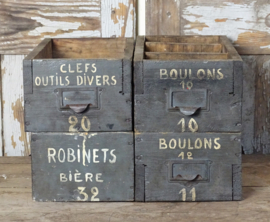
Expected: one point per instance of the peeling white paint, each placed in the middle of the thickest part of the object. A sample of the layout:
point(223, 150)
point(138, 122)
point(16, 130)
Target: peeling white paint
point(92, 2)
point(130, 23)
point(90, 8)
point(240, 18)
point(4, 176)
point(141, 17)
point(265, 47)
point(12, 78)
point(74, 14)
point(109, 28)
point(52, 26)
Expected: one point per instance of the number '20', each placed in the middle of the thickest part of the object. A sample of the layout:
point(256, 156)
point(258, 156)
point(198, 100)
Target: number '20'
point(85, 124)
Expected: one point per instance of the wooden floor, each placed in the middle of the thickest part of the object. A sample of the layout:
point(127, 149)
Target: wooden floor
point(16, 202)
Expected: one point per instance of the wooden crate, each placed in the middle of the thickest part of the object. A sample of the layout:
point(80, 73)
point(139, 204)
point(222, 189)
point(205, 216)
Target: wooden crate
point(187, 166)
point(187, 108)
point(79, 85)
point(78, 105)
point(187, 79)
point(82, 166)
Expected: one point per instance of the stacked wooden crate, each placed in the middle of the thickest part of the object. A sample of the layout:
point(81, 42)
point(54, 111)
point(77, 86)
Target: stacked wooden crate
point(187, 105)
point(78, 106)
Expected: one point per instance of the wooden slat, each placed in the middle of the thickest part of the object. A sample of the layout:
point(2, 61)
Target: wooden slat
point(25, 23)
point(178, 56)
point(182, 47)
point(262, 105)
point(16, 141)
point(248, 107)
point(117, 18)
point(138, 65)
point(89, 48)
point(256, 109)
point(15, 160)
point(162, 17)
point(184, 39)
point(245, 22)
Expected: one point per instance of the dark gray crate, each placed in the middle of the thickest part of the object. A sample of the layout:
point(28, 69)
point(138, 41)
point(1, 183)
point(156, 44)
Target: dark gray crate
point(83, 167)
point(187, 80)
point(206, 168)
point(79, 85)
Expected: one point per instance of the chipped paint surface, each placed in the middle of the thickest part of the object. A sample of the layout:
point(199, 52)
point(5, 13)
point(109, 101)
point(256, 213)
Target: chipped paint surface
point(231, 19)
point(16, 141)
point(117, 18)
point(30, 22)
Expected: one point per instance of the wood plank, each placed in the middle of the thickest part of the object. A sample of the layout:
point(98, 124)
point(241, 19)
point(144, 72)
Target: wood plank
point(16, 141)
point(138, 66)
point(22, 178)
point(184, 39)
point(256, 110)
point(24, 24)
point(248, 103)
point(89, 48)
point(256, 170)
point(15, 160)
point(262, 105)
point(117, 18)
point(187, 56)
point(182, 47)
point(162, 17)
point(245, 22)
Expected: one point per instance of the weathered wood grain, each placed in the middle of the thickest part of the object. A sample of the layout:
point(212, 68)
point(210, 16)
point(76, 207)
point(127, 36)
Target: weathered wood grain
point(248, 107)
point(16, 141)
point(16, 203)
point(256, 110)
point(245, 22)
point(262, 105)
point(89, 48)
point(163, 17)
point(25, 23)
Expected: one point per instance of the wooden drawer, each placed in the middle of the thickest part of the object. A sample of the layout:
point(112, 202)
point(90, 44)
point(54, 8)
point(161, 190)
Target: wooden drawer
point(70, 81)
point(187, 167)
point(82, 166)
point(182, 79)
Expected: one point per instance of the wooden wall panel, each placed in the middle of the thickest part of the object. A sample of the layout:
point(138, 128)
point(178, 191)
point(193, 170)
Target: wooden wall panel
point(25, 23)
point(16, 141)
point(245, 22)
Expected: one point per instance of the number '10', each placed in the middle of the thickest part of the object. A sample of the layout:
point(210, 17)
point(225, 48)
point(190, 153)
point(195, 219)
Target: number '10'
point(192, 125)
